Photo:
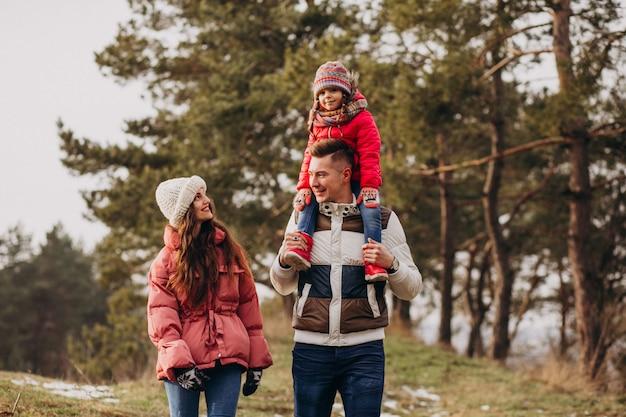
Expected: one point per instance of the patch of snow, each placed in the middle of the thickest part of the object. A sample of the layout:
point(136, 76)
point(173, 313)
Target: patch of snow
point(79, 391)
point(25, 381)
point(393, 404)
point(421, 393)
point(65, 389)
point(111, 401)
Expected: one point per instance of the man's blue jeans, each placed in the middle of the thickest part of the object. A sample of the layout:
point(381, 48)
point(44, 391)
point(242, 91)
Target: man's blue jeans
point(221, 393)
point(357, 372)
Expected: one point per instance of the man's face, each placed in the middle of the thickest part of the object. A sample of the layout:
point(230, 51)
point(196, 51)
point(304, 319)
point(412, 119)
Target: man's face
point(329, 179)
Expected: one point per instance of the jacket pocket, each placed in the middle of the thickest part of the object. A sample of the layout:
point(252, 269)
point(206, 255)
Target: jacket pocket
point(302, 299)
point(373, 302)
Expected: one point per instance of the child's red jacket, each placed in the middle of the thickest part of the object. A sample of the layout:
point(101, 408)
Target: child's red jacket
point(361, 135)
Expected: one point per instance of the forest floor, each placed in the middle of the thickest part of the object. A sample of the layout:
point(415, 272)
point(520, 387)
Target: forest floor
point(421, 381)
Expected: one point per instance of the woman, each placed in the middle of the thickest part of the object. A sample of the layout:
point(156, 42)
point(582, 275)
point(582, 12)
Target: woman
point(203, 312)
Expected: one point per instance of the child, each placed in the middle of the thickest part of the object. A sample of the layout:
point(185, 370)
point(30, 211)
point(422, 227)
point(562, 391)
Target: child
point(339, 112)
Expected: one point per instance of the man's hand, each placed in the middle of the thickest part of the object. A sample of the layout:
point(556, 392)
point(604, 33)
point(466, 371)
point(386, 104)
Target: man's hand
point(292, 241)
point(377, 254)
point(302, 199)
point(369, 196)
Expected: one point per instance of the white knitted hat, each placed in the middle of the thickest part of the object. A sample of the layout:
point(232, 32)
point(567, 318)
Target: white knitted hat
point(174, 197)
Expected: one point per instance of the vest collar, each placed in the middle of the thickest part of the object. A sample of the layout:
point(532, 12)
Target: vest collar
point(340, 209)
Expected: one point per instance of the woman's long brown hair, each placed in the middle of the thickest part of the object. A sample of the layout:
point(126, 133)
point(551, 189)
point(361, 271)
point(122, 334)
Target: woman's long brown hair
point(197, 266)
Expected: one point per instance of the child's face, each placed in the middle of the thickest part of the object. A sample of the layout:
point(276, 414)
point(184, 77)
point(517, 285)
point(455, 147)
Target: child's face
point(330, 98)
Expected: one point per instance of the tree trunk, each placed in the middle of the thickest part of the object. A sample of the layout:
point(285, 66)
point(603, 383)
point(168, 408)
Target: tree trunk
point(499, 252)
point(564, 296)
point(403, 309)
point(588, 287)
point(446, 246)
point(476, 305)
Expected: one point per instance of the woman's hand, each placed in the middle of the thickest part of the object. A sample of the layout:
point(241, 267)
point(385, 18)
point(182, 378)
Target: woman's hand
point(191, 379)
point(253, 379)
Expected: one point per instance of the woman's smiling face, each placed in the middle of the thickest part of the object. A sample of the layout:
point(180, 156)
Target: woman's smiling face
point(202, 207)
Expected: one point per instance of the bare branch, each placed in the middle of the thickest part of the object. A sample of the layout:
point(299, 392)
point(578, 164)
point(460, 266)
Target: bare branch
point(506, 153)
point(504, 62)
point(609, 36)
point(472, 241)
point(527, 301)
point(596, 130)
point(509, 34)
point(610, 131)
point(530, 194)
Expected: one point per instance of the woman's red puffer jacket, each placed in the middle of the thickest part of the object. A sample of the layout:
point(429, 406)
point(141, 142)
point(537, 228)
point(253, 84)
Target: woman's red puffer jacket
point(227, 327)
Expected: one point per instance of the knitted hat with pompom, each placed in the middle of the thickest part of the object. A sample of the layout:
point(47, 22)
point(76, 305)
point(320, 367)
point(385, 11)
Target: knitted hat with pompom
point(333, 74)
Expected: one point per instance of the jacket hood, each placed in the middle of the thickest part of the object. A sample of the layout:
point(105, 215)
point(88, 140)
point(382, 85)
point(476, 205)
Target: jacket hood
point(358, 95)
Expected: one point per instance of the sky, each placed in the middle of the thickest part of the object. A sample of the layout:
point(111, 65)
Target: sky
point(47, 72)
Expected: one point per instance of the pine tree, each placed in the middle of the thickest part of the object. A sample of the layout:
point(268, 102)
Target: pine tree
point(220, 77)
point(47, 297)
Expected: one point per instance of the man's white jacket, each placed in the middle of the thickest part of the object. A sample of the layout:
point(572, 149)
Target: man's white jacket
point(335, 305)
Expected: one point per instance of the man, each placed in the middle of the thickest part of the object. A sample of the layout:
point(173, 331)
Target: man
point(339, 317)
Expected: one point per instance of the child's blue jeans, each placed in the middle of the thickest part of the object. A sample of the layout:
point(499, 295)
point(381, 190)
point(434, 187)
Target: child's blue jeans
point(371, 217)
point(221, 393)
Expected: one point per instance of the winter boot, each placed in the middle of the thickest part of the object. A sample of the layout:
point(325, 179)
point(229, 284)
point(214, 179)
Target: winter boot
point(375, 273)
point(298, 258)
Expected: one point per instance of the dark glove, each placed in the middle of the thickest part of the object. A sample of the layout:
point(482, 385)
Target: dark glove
point(253, 379)
point(190, 378)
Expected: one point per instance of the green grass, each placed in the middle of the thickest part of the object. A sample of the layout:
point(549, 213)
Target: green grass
point(465, 387)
